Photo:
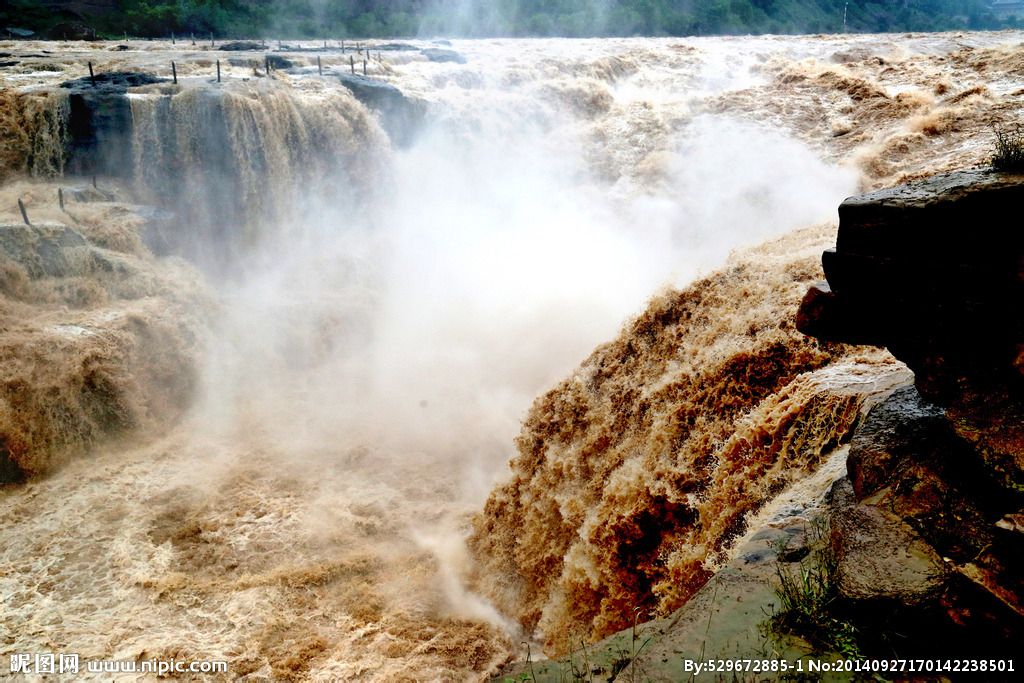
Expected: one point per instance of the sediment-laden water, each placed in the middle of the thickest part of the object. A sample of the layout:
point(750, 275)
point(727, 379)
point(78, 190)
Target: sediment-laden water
point(359, 328)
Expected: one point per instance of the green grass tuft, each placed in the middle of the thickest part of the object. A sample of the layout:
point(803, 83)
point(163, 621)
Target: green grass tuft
point(1008, 154)
point(807, 595)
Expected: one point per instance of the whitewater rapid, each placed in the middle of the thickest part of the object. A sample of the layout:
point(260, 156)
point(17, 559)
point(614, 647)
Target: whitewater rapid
point(390, 314)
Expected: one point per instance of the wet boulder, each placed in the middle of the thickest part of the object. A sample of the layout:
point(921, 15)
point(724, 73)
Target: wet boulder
point(394, 47)
point(400, 116)
point(241, 46)
point(880, 557)
point(279, 62)
point(904, 596)
point(436, 54)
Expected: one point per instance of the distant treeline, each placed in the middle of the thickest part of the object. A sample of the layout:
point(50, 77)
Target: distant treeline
point(492, 18)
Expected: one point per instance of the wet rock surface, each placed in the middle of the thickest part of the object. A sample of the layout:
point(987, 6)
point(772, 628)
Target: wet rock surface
point(118, 81)
point(882, 558)
point(395, 47)
point(879, 557)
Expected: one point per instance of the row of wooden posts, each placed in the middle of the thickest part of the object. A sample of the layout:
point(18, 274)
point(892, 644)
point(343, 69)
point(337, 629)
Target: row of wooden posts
point(60, 200)
point(319, 66)
point(266, 66)
point(174, 41)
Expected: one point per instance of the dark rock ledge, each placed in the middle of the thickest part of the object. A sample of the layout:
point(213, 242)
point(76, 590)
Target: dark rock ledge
point(934, 271)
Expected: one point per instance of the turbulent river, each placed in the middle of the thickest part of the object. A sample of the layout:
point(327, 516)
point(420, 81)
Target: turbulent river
point(377, 318)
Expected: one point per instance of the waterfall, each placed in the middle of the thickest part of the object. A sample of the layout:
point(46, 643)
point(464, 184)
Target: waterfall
point(33, 133)
point(236, 163)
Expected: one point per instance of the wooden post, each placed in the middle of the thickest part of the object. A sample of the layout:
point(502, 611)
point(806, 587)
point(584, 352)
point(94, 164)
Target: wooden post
point(172, 38)
point(343, 47)
point(352, 64)
point(60, 197)
point(325, 44)
point(211, 39)
point(94, 183)
point(218, 71)
point(24, 214)
point(319, 67)
point(193, 38)
point(364, 66)
point(92, 76)
point(126, 36)
point(266, 64)
point(174, 73)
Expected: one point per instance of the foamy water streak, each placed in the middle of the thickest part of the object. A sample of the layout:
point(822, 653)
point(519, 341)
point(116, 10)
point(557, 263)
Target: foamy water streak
point(378, 345)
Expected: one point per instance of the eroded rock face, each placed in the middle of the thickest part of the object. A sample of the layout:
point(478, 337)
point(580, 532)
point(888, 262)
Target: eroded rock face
point(934, 271)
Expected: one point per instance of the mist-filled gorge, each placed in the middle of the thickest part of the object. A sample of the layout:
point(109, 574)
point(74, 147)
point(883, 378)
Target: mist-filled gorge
point(333, 376)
